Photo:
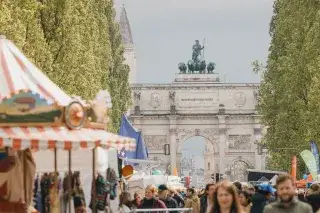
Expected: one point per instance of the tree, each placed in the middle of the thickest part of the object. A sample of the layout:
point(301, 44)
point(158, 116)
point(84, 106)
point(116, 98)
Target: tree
point(79, 44)
point(118, 79)
point(19, 22)
point(285, 91)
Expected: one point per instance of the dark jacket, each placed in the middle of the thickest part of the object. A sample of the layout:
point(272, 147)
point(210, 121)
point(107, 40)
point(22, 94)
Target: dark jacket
point(154, 203)
point(259, 201)
point(171, 204)
point(179, 199)
point(203, 204)
point(314, 201)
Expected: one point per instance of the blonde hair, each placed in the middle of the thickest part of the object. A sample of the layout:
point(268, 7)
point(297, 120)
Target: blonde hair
point(151, 188)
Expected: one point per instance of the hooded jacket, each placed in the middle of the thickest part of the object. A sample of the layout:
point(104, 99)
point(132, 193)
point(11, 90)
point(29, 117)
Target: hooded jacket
point(193, 202)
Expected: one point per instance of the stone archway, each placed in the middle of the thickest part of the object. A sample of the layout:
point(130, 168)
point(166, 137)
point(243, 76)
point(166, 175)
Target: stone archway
point(210, 152)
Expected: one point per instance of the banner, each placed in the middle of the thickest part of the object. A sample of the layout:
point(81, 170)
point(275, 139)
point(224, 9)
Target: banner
point(310, 162)
point(315, 152)
point(294, 168)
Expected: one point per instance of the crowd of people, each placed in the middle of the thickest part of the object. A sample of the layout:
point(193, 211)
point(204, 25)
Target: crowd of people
point(227, 197)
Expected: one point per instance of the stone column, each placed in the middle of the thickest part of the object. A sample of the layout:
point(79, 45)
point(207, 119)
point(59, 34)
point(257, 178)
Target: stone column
point(173, 149)
point(173, 143)
point(222, 142)
point(258, 156)
point(257, 138)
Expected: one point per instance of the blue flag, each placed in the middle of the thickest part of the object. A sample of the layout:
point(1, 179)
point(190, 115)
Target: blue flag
point(315, 152)
point(127, 130)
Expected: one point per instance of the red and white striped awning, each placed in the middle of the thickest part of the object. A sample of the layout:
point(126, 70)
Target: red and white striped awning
point(18, 74)
point(42, 138)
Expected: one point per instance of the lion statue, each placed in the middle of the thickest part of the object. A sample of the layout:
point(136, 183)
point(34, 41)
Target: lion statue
point(182, 67)
point(211, 66)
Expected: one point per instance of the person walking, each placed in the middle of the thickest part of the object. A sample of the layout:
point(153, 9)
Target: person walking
point(177, 197)
point(150, 201)
point(245, 201)
point(168, 200)
point(287, 202)
point(226, 199)
point(262, 197)
point(206, 200)
point(192, 201)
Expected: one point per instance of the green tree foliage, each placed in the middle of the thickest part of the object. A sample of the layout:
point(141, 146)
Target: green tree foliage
point(19, 22)
point(289, 89)
point(76, 31)
point(118, 79)
point(76, 43)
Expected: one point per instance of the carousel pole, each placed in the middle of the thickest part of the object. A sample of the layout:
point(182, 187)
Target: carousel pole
point(93, 180)
point(24, 176)
point(69, 180)
point(55, 161)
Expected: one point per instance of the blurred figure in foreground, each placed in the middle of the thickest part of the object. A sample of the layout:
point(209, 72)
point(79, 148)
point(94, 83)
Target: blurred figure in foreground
point(287, 201)
point(226, 199)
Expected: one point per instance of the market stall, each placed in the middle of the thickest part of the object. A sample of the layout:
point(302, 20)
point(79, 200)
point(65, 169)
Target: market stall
point(36, 115)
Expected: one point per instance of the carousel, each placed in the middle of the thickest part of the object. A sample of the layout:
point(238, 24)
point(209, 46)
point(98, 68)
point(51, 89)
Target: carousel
point(36, 115)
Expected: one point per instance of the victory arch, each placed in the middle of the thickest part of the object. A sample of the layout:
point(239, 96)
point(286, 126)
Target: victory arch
point(196, 103)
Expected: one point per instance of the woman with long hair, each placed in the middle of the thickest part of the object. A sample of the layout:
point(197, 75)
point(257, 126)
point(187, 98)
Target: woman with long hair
point(226, 199)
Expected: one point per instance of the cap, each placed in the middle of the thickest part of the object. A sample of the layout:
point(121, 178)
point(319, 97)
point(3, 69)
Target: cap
point(162, 187)
point(266, 188)
point(78, 201)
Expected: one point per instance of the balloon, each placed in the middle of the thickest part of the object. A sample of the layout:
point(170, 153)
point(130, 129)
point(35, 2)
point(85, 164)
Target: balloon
point(305, 176)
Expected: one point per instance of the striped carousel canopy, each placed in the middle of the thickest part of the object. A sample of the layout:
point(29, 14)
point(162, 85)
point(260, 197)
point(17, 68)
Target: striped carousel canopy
point(18, 74)
point(42, 138)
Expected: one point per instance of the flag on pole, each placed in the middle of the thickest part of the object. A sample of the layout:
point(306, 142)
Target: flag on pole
point(127, 130)
point(315, 152)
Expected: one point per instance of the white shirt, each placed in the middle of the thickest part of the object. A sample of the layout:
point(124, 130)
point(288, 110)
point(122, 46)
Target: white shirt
point(209, 205)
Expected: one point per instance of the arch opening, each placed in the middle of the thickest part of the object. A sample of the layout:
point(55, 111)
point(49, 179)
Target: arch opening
point(194, 159)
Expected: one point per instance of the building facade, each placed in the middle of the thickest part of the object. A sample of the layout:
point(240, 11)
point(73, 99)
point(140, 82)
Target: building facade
point(199, 105)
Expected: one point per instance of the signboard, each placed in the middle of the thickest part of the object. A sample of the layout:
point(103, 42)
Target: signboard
point(198, 100)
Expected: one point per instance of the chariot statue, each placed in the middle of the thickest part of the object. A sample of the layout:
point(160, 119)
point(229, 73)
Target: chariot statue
point(197, 64)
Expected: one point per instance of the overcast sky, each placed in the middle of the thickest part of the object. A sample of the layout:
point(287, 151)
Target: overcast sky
point(164, 31)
